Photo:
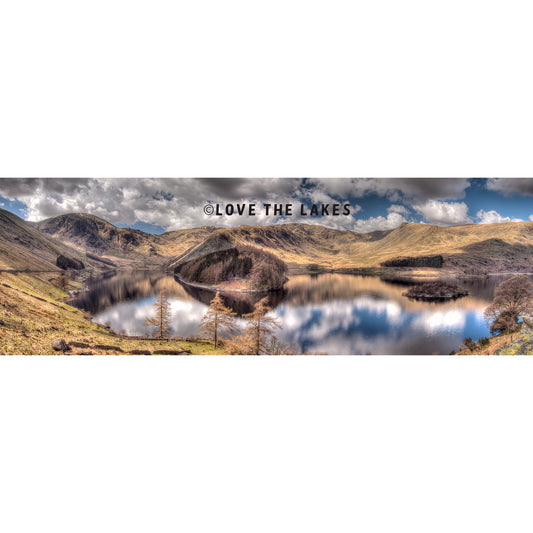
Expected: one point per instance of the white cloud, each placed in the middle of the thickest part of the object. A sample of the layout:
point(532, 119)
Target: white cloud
point(178, 203)
point(170, 203)
point(444, 213)
point(493, 217)
point(391, 221)
point(396, 208)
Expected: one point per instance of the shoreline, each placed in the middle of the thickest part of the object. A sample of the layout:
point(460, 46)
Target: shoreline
point(214, 288)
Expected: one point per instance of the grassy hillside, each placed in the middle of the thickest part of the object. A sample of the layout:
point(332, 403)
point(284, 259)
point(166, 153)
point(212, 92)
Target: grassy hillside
point(518, 342)
point(24, 247)
point(33, 314)
point(492, 246)
point(496, 247)
point(126, 246)
point(292, 243)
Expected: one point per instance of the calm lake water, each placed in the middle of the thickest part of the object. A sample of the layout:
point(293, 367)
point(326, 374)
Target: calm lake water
point(326, 313)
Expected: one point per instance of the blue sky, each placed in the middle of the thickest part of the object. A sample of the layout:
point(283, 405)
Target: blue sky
point(156, 205)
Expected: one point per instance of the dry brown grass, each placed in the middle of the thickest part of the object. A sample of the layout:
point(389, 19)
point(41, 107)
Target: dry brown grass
point(496, 343)
point(484, 246)
point(32, 315)
point(491, 246)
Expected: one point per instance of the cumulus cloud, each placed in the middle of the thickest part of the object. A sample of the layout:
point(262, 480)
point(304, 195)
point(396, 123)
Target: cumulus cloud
point(510, 186)
point(396, 188)
point(391, 221)
point(170, 203)
point(400, 209)
point(178, 203)
point(444, 213)
point(493, 217)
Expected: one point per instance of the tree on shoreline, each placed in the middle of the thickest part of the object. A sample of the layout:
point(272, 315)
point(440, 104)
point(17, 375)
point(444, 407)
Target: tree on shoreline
point(513, 298)
point(160, 324)
point(258, 335)
point(218, 319)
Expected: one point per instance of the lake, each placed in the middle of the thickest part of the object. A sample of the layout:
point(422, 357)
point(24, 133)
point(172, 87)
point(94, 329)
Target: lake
point(325, 313)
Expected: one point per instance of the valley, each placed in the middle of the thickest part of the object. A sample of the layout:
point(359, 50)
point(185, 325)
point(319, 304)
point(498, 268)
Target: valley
point(489, 248)
point(34, 311)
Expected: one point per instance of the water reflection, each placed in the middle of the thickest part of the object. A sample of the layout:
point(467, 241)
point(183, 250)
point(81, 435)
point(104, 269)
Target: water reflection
point(328, 313)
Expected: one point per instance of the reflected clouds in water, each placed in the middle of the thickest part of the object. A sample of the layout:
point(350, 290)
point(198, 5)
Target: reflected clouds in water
point(330, 313)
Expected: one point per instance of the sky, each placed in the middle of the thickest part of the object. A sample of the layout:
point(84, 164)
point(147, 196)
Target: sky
point(156, 205)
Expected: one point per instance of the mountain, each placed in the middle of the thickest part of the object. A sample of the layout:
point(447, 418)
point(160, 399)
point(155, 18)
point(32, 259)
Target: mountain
point(24, 247)
point(504, 246)
point(95, 235)
point(493, 247)
point(241, 267)
point(293, 243)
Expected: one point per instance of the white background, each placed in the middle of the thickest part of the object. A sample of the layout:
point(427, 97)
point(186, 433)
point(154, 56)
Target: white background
point(241, 88)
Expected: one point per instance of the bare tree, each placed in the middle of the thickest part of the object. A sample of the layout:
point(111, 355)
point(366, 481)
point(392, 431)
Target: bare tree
point(277, 347)
point(160, 324)
point(218, 319)
point(513, 298)
point(258, 334)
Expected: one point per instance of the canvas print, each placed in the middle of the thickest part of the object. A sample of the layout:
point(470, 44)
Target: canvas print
point(266, 266)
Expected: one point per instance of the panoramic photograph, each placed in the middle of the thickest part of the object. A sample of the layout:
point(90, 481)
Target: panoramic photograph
point(266, 266)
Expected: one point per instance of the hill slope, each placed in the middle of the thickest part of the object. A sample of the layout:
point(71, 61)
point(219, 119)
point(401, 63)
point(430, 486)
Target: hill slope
point(242, 267)
point(505, 246)
point(495, 247)
point(292, 243)
point(23, 247)
point(88, 232)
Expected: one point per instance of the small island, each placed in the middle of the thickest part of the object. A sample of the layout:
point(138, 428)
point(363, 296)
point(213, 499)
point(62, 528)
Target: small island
point(435, 291)
point(240, 269)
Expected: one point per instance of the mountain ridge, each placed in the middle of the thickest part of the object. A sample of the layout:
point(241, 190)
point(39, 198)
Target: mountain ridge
point(493, 247)
point(24, 247)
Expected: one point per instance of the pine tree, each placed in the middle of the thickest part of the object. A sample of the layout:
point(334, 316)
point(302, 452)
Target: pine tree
point(260, 327)
point(217, 319)
point(160, 324)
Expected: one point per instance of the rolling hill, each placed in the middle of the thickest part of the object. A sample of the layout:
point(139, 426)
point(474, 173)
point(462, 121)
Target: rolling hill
point(295, 244)
point(95, 235)
point(24, 247)
point(493, 247)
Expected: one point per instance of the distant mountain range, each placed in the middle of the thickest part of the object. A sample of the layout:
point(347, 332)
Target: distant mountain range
point(493, 247)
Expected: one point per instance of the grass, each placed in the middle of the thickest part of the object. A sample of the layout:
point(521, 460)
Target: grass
point(484, 247)
point(519, 342)
point(496, 342)
point(32, 314)
point(491, 247)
